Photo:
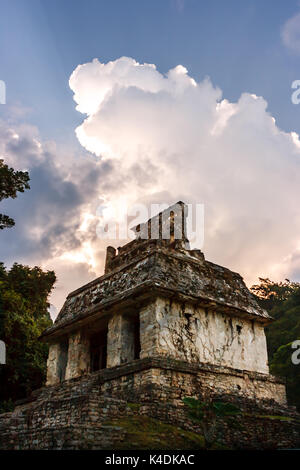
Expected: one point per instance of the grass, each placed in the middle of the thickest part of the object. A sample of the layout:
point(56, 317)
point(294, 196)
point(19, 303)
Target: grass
point(142, 432)
point(134, 406)
point(273, 417)
point(280, 418)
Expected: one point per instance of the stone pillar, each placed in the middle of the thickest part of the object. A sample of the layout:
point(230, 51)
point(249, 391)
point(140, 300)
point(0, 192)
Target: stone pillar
point(52, 362)
point(149, 329)
point(78, 355)
point(120, 340)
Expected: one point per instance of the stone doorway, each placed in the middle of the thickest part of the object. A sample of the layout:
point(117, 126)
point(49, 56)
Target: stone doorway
point(62, 359)
point(98, 349)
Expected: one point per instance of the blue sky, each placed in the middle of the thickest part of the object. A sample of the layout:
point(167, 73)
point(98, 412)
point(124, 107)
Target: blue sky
point(167, 135)
point(236, 43)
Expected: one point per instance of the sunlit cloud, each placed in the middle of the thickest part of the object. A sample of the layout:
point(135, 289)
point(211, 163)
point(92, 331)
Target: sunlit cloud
point(156, 139)
point(195, 145)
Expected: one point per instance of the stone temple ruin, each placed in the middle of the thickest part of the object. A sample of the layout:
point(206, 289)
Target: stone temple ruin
point(158, 300)
point(161, 324)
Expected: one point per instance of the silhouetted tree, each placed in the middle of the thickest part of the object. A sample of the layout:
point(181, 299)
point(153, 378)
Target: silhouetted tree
point(11, 182)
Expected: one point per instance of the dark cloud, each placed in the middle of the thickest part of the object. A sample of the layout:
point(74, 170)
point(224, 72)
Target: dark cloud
point(48, 216)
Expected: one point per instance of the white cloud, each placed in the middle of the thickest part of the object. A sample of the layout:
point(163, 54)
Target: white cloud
point(290, 33)
point(158, 139)
point(56, 218)
point(176, 137)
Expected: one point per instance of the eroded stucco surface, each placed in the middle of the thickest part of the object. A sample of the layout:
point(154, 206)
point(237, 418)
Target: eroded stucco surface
point(186, 332)
point(78, 355)
point(120, 340)
point(52, 363)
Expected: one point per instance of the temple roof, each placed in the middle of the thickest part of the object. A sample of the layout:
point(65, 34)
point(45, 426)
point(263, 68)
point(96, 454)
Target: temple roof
point(145, 268)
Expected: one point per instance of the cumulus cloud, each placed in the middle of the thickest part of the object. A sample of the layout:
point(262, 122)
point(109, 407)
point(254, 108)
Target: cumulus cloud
point(56, 218)
point(290, 33)
point(156, 138)
point(173, 137)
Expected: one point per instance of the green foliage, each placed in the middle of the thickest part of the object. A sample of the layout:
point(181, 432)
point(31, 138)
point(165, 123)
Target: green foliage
point(282, 301)
point(271, 294)
point(225, 409)
point(282, 365)
point(11, 182)
point(6, 221)
point(206, 413)
point(196, 408)
point(143, 432)
point(23, 316)
point(199, 410)
point(134, 406)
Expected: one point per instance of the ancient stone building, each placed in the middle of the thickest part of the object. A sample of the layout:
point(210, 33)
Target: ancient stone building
point(159, 299)
point(161, 324)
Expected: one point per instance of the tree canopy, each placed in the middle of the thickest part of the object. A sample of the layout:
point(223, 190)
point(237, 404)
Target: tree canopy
point(11, 182)
point(24, 314)
point(282, 300)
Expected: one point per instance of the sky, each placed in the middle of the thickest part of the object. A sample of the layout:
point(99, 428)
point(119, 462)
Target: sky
point(178, 99)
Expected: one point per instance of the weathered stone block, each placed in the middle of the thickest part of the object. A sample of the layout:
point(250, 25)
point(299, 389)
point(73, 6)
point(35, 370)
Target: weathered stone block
point(78, 355)
point(120, 340)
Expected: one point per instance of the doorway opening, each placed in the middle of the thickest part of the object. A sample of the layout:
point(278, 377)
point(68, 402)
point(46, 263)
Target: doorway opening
point(98, 348)
point(136, 337)
point(63, 359)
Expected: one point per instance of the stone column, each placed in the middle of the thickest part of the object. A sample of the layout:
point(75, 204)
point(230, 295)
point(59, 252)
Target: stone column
point(149, 329)
point(52, 362)
point(120, 340)
point(78, 355)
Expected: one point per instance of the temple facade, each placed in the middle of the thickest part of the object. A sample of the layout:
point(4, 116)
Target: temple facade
point(161, 301)
point(160, 325)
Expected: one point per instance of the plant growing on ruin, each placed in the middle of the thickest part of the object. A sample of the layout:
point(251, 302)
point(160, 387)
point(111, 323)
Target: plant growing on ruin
point(206, 413)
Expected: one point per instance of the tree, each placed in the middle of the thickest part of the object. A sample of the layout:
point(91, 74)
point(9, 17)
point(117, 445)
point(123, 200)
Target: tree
point(270, 293)
point(206, 413)
point(283, 366)
point(11, 182)
point(23, 316)
point(282, 300)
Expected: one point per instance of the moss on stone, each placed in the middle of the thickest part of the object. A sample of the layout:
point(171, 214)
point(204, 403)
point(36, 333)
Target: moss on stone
point(280, 418)
point(142, 432)
point(133, 406)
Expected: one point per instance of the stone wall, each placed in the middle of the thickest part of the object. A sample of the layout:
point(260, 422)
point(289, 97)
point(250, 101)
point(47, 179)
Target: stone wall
point(77, 414)
point(194, 334)
point(120, 349)
point(171, 380)
point(77, 360)
point(150, 265)
point(173, 329)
